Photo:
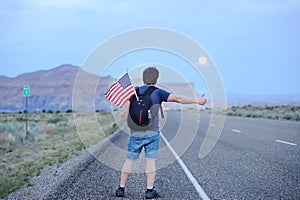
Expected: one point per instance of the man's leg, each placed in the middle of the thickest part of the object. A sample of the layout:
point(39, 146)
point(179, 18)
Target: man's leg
point(150, 171)
point(126, 171)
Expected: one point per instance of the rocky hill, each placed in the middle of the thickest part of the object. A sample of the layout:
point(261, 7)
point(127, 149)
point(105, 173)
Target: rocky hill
point(53, 89)
point(49, 89)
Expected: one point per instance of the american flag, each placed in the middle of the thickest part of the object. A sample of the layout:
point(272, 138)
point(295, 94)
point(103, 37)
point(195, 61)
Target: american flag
point(120, 91)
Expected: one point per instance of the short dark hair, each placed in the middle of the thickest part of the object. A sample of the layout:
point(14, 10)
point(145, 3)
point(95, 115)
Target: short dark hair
point(150, 75)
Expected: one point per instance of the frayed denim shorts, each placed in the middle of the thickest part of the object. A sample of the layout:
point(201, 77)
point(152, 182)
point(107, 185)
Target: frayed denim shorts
point(149, 140)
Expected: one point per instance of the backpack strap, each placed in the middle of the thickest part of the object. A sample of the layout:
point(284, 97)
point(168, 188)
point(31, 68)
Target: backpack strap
point(149, 91)
point(161, 111)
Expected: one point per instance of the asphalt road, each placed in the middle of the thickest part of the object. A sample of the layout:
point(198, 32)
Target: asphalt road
point(253, 159)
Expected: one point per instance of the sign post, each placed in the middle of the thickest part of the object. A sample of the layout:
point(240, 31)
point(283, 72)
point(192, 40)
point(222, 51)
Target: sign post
point(26, 93)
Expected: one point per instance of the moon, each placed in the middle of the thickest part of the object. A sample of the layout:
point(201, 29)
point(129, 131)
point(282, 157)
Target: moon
point(202, 60)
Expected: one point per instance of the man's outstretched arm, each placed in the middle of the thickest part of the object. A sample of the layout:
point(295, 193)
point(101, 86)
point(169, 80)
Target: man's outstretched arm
point(187, 100)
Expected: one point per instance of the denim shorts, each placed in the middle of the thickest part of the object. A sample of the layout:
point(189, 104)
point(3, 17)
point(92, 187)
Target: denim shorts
point(147, 139)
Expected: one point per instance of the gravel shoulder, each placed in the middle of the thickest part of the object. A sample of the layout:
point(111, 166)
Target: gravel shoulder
point(51, 177)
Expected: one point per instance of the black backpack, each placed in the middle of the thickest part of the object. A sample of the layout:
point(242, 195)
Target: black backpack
point(140, 115)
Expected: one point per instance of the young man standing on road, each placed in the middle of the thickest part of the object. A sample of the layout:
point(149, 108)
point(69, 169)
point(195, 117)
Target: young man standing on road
point(149, 139)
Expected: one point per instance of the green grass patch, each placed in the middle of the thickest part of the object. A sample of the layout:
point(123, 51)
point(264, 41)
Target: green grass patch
point(52, 139)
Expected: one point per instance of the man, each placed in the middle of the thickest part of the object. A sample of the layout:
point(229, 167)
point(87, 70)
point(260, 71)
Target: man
point(149, 139)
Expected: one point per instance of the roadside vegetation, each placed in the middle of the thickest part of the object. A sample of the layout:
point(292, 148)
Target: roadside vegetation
point(51, 139)
point(275, 112)
point(283, 112)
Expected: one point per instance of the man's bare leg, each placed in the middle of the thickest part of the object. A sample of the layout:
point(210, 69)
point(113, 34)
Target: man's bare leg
point(150, 172)
point(126, 171)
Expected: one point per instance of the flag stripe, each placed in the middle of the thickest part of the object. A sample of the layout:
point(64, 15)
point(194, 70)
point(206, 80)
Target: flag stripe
point(123, 102)
point(129, 94)
point(123, 99)
point(115, 92)
point(117, 101)
point(122, 95)
point(111, 89)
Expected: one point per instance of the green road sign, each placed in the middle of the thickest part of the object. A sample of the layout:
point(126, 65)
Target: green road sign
point(26, 91)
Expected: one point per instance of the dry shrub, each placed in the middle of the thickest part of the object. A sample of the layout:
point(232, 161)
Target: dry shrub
point(11, 139)
point(47, 128)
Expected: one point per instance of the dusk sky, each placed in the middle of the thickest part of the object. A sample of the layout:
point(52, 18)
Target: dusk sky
point(254, 44)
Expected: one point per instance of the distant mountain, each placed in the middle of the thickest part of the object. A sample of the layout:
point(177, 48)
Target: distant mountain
point(53, 89)
point(49, 89)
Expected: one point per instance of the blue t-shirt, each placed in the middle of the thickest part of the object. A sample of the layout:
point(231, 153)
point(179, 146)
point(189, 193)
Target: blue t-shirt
point(157, 97)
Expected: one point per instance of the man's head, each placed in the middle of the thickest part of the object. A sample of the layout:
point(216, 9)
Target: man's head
point(150, 75)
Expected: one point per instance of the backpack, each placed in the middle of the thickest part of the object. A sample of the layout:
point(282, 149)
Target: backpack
point(140, 115)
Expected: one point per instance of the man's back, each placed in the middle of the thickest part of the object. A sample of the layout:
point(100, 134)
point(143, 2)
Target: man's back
point(157, 97)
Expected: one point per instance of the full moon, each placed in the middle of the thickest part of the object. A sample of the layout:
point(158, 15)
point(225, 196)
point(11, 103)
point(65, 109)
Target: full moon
point(202, 60)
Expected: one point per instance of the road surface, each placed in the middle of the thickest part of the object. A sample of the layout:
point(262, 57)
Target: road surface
point(253, 159)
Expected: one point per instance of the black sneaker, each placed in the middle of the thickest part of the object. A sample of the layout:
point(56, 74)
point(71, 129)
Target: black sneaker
point(151, 194)
point(120, 192)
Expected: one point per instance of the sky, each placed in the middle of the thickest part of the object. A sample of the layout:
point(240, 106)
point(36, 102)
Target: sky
point(254, 44)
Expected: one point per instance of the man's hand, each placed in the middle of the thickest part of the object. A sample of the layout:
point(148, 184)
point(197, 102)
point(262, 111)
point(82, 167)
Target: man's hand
point(201, 100)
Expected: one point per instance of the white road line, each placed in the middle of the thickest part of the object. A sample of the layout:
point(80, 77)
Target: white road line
point(196, 185)
point(212, 125)
point(237, 131)
point(284, 142)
